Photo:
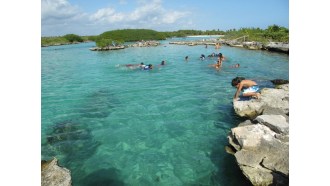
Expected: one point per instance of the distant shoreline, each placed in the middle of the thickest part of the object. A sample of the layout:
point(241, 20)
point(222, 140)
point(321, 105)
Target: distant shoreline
point(207, 36)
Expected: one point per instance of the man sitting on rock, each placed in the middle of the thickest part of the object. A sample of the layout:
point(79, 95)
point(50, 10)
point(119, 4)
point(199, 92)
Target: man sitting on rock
point(248, 87)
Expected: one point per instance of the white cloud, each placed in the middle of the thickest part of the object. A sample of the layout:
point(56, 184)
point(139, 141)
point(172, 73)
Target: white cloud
point(173, 16)
point(103, 14)
point(57, 9)
point(59, 16)
point(147, 13)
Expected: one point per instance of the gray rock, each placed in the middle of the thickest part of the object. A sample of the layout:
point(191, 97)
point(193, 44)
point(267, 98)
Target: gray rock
point(54, 175)
point(261, 156)
point(274, 111)
point(277, 47)
point(276, 99)
point(277, 123)
point(262, 146)
point(283, 138)
point(249, 109)
point(245, 123)
point(250, 136)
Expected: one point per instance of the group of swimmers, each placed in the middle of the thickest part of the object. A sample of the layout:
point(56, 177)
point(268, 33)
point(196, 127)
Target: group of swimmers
point(142, 66)
point(219, 61)
point(247, 87)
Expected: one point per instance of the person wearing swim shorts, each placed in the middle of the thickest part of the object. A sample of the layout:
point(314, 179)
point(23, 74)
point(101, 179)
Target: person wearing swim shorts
point(148, 67)
point(248, 87)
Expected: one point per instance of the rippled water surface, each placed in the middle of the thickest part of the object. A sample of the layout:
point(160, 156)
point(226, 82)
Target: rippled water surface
point(111, 125)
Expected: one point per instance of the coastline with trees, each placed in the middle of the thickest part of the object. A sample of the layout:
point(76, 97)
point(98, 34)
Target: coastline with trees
point(273, 38)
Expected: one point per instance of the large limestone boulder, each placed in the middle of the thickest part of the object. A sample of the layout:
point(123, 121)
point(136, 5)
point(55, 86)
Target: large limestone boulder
point(54, 175)
point(277, 47)
point(261, 144)
point(262, 157)
point(276, 123)
point(271, 99)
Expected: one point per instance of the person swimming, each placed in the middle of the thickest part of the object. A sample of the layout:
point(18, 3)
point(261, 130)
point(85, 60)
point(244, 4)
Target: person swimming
point(202, 57)
point(235, 66)
point(148, 67)
point(142, 65)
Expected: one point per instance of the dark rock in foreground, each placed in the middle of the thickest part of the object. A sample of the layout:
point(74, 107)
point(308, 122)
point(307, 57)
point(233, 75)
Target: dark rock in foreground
point(279, 81)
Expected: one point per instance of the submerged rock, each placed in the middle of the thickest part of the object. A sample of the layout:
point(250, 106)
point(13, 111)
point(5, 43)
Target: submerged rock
point(71, 138)
point(54, 175)
point(104, 177)
point(99, 104)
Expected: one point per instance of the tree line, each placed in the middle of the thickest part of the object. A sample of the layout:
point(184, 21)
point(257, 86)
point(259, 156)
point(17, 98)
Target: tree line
point(118, 37)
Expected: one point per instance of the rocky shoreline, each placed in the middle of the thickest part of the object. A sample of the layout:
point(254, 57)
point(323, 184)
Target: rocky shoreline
point(252, 45)
point(54, 175)
point(136, 44)
point(261, 143)
point(68, 43)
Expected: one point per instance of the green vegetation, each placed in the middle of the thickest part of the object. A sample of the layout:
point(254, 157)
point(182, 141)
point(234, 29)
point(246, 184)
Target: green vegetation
point(73, 38)
point(118, 37)
point(48, 41)
point(272, 33)
point(66, 39)
point(184, 33)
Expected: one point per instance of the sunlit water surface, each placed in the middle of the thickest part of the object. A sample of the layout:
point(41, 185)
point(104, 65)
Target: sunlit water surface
point(111, 125)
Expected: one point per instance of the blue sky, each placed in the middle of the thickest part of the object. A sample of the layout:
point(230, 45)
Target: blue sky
point(83, 17)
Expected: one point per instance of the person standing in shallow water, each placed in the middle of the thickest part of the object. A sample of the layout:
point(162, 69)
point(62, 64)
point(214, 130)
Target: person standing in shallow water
point(248, 87)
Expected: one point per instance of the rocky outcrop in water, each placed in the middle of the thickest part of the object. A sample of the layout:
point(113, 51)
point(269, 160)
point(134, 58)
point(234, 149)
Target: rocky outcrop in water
point(144, 44)
point(261, 144)
point(54, 175)
point(107, 48)
point(277, 47)
point(271, 46)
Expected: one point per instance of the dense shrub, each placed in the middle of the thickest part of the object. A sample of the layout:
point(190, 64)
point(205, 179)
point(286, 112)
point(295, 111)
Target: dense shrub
point(72, 37)
point(272, 33)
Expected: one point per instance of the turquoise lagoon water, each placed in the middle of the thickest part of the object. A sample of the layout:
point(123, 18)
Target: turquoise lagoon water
point(115, 126)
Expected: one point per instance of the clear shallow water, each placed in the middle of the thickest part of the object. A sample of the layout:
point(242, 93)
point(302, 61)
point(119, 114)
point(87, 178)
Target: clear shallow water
point(115, 126)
